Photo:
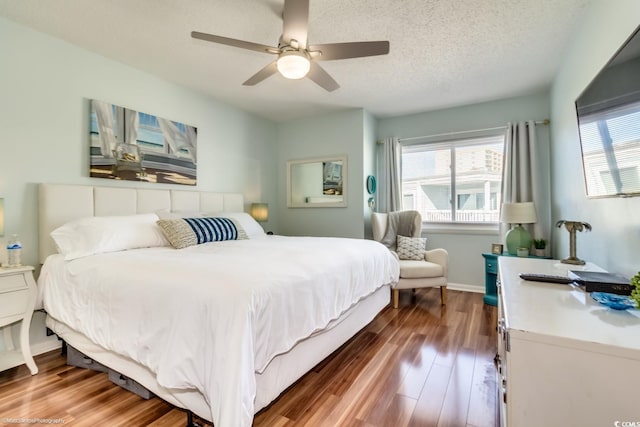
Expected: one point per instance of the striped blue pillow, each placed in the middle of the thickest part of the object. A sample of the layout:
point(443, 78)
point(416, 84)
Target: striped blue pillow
point(213, 229)
point(183, 232)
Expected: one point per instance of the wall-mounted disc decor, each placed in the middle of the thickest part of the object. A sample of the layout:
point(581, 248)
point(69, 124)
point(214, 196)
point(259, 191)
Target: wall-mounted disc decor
point(371, 184)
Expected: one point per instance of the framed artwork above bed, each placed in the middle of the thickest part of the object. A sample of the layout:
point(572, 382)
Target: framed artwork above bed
point(131, 145)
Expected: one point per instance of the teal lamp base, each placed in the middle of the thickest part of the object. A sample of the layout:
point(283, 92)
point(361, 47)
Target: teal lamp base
point(516, 238)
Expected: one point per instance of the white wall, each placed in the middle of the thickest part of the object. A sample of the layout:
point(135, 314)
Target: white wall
point(45, 87)
point(614, 243)
point(319, 136)
point(465, 248)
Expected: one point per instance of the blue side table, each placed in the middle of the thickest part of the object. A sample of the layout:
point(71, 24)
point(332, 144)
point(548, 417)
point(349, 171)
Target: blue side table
point(491, 276)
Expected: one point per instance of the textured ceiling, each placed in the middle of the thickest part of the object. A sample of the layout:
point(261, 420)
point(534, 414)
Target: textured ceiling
point(444, 53)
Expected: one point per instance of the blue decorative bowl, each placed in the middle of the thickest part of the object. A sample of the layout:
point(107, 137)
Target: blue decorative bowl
point(614, 301)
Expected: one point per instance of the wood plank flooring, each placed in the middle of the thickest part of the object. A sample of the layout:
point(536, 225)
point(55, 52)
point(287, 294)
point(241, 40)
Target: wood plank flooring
point(420, 365)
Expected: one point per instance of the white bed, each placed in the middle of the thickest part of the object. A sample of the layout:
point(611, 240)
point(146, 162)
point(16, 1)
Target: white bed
point(226, 387)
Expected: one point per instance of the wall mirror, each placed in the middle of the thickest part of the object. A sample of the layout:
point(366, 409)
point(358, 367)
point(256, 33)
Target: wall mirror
point(317, 182)
point(609, 125)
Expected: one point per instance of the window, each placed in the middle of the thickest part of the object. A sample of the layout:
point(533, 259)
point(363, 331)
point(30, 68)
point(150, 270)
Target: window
point(610, 150)
point(454, 181)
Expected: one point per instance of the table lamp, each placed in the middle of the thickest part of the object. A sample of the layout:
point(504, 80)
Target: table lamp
point(259, 211)
point(518, 213)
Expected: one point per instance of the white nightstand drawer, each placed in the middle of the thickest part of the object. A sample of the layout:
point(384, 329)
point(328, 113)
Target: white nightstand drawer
point(12, 282)
point(13, 303)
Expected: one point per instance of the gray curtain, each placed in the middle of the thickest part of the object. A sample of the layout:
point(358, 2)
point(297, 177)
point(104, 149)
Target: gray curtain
point(525, 176)
point(389, 174)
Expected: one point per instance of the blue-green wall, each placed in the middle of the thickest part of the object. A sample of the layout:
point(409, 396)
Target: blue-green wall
point(320, 136)
point(614, 243)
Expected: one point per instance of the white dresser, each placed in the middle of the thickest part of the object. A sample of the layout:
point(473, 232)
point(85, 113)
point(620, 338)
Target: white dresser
point(563, 359)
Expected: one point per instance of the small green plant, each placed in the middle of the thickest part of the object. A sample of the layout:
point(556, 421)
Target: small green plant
point(539, 243)
point(635, 293)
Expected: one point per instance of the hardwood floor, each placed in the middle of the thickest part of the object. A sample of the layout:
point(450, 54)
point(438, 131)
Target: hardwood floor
point(420, 365)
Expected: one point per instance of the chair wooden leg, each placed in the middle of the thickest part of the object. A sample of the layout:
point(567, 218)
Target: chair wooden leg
point(443, 294)
point(396, 297)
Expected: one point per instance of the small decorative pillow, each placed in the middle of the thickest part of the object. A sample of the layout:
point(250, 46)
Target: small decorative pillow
point(183, 232)
point(411, 247)
point(242, 220)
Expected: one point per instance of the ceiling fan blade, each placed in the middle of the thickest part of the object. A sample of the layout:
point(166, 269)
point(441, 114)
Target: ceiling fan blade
point(295, 22)
point(234, 42)
point(262, 74)
point(322, 78)
point(331, 51)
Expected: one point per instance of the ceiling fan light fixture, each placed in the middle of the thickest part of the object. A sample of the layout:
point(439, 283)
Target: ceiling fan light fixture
point(293, 64)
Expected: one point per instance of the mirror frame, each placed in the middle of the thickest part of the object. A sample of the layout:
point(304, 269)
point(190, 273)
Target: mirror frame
point(341, 204)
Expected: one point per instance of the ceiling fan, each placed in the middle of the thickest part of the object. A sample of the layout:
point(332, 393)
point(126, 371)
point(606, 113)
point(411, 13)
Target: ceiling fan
point(296, 58)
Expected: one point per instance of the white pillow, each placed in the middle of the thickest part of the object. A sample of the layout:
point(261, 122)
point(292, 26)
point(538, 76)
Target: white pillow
point(100, 234)
point(248, 224)
point(244, 220)
point(167, 214)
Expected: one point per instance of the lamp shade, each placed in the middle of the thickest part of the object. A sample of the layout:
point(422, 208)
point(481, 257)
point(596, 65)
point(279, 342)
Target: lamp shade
point(1, 217)
point(518, 213)
point(259, 211)
point(293, 64)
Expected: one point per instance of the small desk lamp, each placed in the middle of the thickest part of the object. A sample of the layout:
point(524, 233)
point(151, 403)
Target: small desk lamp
point(518, 213)
point(259, 212)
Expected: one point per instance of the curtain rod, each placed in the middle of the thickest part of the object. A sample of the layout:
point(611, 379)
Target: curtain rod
point(538, 122)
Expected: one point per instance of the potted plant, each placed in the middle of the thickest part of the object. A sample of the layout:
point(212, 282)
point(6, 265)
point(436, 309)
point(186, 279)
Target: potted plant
point(540, 246)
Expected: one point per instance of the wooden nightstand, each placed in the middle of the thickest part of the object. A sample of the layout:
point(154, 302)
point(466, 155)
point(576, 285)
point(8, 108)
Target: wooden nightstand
point(17, 302)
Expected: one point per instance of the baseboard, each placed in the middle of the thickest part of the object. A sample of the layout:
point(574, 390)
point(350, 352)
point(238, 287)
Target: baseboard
point(465, 288)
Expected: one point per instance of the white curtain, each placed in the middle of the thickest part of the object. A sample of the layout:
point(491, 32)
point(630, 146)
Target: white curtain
point(105, 119)
point(525, 176)
point(390, 198)
point(176, 140)
point(131, 125)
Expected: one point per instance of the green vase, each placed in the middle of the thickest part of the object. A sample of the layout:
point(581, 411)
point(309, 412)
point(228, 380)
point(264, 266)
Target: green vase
point(516, 238)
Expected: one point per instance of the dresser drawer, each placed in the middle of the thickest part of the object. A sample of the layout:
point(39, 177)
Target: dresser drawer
point(12, 282)
point(13, 303)
point(491, 266)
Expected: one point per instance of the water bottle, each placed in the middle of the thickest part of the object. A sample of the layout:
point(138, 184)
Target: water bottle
point(14, 251)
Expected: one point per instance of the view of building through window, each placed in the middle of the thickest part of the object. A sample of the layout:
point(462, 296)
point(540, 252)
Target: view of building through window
point(455, 181)
point(610, 151)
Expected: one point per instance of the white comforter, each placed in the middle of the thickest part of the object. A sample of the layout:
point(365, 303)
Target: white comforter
point(208, 317)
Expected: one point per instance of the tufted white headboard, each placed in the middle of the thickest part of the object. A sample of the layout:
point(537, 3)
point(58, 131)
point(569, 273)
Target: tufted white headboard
point(61, 203)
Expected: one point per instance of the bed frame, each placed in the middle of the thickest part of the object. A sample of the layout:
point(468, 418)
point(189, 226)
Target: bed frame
point(62, 203)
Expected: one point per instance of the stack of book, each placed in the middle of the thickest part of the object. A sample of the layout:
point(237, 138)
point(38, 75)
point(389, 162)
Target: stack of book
point(595, 281)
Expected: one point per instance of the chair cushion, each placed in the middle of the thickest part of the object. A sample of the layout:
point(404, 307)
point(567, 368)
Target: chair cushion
point(410, 269)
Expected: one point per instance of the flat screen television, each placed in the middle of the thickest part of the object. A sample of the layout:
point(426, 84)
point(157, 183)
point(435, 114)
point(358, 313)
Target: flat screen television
point(609, 125)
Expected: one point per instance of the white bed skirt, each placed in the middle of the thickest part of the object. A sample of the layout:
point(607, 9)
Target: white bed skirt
point(281, 372)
